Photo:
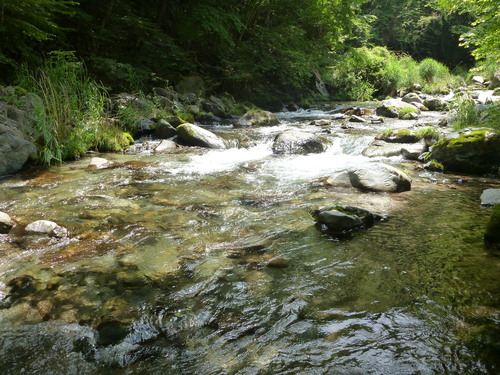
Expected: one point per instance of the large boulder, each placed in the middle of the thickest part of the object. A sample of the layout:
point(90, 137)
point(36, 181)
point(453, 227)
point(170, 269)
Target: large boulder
point(379, 177)
point(258, 118)
point(395, 108)
point(412, 98)
point(164, 130)
point(435, 104)
point(297, 142)
point(344, 219)
point(6, 223)
point(216, 107)
point(492, 233)
point(474, 151)
point(193, 135)
point(16, 146)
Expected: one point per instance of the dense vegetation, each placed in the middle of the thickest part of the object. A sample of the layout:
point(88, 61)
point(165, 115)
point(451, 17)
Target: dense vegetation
point(258, 50)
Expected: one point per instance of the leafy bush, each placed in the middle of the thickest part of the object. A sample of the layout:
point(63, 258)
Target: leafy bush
point(362, 73)
point(431, 70)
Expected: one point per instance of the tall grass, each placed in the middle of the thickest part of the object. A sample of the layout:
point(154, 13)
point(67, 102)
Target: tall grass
point(71, 118)
point(365, 73)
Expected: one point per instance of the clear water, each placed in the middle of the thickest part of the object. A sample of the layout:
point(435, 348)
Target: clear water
point(208, 262)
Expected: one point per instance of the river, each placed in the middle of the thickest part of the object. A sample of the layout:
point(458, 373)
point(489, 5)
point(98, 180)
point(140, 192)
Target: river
point(209, 262)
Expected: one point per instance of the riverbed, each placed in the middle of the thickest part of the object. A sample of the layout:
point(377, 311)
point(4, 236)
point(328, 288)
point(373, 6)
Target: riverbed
point(209, 262)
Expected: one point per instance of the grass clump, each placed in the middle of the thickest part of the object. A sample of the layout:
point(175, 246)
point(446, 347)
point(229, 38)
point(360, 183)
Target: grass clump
point(428, 133)
point(406, 113)
point(70, 120)
point(366, 73)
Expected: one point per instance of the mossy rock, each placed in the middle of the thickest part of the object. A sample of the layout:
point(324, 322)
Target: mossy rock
point(435, 166)
point(398, 136)
point(492, 233)
point(474, 151)
point(408, 113)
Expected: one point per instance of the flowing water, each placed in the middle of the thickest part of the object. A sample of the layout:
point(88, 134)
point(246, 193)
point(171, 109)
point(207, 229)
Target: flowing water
point(208, 262)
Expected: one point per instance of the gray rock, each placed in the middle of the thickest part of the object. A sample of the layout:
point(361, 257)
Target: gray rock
point(416, 87)
point(194, 135)
point(412, 98)
point(100, 163)
point(478, 80)
point(297, 142)
point(340, 179)
point(46, 227)
point(475, 151)
point(145, 125)
point(16, 146)
point(6, 223)
point(164, 129)
point(257, 118)
point(392, 107)
point(355, 118)
point(379, 177)
point(165, 146)
point(435, 104)
point(490, 197)
point(412, 151)
point(342, 219)
point(382, 149)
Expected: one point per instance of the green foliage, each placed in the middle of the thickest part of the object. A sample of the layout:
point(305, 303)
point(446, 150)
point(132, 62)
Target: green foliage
point(431, 70)
point(361, 73)
point(25, 25)
point(484, 31)
point(71, 119)
point(465, 112)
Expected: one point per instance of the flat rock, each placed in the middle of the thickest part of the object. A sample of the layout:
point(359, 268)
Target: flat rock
point(379, 177)
point(46, 227)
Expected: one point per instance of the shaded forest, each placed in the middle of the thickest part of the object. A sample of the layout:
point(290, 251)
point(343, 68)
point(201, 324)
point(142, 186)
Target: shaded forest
point(252, 49)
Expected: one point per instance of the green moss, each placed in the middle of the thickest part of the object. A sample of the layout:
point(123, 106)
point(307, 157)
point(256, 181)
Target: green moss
point(406, 113)
point(434, 165)
point(492, 233)
point(472, 137)
point(403, 132)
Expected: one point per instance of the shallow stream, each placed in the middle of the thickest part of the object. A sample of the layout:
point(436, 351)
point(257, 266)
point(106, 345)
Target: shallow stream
point(208, 262)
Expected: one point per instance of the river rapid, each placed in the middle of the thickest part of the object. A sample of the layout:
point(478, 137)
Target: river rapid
point(209, 262)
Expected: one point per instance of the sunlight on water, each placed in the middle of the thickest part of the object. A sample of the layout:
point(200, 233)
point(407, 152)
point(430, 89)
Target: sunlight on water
point(209, 262)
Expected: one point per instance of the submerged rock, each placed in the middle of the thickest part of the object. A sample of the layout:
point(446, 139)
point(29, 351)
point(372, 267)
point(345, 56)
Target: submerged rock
point(492, 233)
point(344, 219)
point(297, 142)
point(194, 135)
point(379, 177)
point(6, 223)
point(472, 151)
point(258, 118)
point(46, 227)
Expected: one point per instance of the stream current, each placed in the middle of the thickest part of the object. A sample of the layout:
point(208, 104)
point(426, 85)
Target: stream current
point(209, 262)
